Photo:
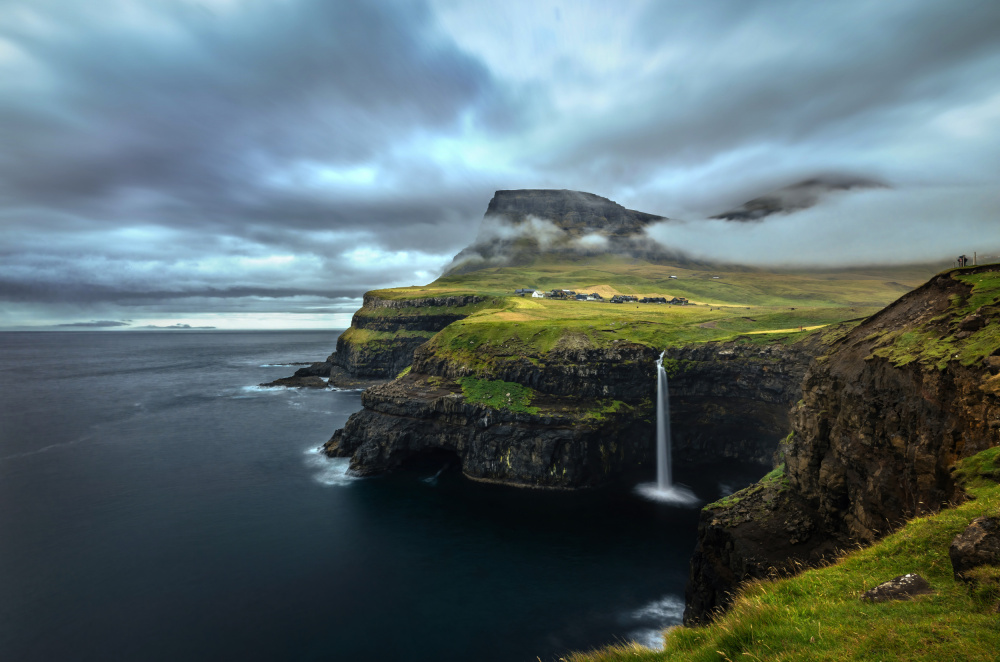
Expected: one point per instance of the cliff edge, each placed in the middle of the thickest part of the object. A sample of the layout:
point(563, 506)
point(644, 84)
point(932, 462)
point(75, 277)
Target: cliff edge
point(884, 416)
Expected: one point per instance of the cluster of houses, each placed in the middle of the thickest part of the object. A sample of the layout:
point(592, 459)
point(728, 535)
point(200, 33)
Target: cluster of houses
point(594, 296)
point(558, 294)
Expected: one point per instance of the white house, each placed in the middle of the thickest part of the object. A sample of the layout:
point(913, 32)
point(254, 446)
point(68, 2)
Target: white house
point(537, 295)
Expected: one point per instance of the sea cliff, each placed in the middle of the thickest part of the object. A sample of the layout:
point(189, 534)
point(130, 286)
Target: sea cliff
point(884, 416)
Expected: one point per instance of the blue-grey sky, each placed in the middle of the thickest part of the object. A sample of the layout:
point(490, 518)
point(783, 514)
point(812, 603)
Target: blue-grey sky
point(262, 163)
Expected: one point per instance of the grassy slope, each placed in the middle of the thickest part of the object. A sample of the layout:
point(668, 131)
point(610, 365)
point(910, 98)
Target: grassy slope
point(818, 615)
point(774, 305)
point(932, 346)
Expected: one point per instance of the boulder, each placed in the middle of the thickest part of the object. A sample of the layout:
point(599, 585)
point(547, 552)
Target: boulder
point(904, 587)
point(978, 545)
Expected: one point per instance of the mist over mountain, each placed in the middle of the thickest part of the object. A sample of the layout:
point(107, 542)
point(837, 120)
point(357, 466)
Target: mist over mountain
point(519, 226)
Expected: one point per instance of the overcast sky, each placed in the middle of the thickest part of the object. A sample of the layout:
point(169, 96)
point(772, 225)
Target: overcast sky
point(263, 163)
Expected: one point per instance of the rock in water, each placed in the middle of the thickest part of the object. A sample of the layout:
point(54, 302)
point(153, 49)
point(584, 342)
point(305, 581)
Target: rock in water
point(904, 587)
point(978, 545)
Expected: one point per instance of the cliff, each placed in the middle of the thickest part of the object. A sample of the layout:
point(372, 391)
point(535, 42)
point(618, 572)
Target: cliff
point(379, 344)
point(884, 416)
point(577, 415)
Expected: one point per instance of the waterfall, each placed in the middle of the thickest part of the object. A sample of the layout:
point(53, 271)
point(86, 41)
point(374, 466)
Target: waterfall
point(663, 475)
point(664, 489)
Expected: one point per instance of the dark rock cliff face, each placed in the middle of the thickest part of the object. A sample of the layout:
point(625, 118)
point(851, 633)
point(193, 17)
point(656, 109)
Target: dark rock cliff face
point(411, 417)
point(873, 442)
point(732, 399)
point(565, 444)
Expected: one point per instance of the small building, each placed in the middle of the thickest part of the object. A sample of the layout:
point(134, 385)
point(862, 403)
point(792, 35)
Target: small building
point(594, 297)
point(581, 297)
point(522, 292)
point(679, 301)
point(623, 298)
point(653, 300)
point(671, 276)
point(537, 295)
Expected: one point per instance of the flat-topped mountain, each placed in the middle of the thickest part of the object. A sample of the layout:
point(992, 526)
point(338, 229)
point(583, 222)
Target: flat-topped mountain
point(575, 212)
point(521, 225)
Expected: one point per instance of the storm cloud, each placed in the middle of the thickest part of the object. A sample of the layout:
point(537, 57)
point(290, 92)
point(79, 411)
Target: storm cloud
point(189, 162)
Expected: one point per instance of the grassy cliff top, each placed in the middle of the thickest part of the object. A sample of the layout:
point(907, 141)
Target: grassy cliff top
point(818, 615)
point(609, 275)
point(728, 302)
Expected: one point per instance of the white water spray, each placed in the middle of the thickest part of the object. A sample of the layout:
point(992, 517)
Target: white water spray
point(664, 489)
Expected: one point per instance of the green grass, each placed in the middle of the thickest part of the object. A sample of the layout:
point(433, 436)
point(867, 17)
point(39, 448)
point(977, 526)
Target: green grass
point(938, 342)
point(774, 479)
point(367, 336)
point(818, 615)
point(753, 305)
point(498, 394)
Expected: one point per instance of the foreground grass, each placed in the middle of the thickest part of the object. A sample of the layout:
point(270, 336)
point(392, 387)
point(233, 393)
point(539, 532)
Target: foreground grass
point(817, 615)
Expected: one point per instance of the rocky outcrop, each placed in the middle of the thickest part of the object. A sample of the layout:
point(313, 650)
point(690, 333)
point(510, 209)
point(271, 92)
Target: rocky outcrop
point(415, 416)
point(904, 587)
point(312, 376)
point(977, 545)
point(883, 418)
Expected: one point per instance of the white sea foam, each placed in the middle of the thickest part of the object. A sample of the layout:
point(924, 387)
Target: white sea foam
point(257, 388)
point(675, 494)
point(276, 365)
point(668, 611)
point(332, 470)
point(657, 616)
point(649, 637)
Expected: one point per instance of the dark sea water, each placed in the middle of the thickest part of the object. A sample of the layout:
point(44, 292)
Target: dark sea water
point(156, 505)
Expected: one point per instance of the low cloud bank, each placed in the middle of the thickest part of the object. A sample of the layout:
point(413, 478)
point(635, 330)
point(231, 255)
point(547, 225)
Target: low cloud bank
point(875, 226)
point(96, 324)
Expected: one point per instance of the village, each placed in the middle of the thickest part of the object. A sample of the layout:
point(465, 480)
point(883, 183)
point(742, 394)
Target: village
point(571, 295)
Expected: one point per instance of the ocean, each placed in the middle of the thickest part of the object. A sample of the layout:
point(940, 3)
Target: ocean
point(156, 504)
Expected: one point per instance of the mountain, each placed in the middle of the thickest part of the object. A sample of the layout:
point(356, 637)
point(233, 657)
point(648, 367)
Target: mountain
point(521, 225)
point(795, 197)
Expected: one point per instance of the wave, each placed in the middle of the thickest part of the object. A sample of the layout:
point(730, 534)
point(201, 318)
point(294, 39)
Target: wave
point(332, 470)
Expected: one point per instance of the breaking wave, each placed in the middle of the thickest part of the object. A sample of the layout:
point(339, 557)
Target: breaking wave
point(331, 470)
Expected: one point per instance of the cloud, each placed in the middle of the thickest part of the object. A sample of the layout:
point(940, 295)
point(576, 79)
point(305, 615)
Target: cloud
point(858, 227)
point(97, 324)
point(181, 327)
point(212, 155)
